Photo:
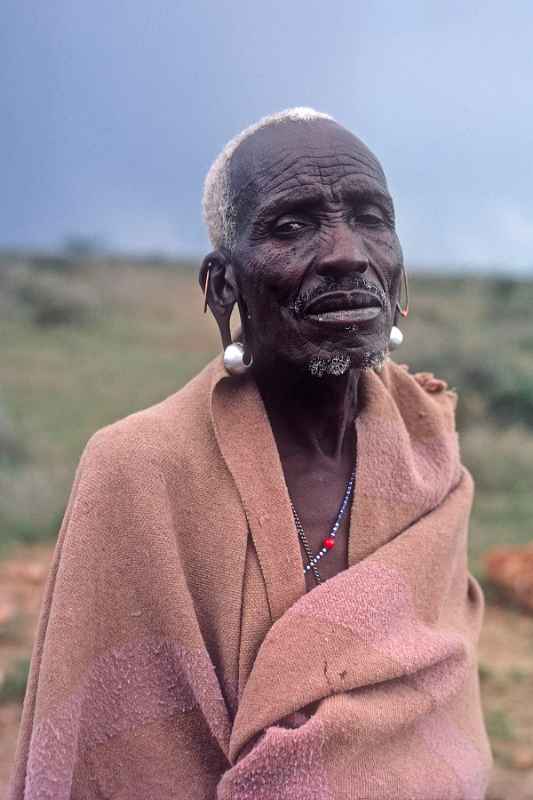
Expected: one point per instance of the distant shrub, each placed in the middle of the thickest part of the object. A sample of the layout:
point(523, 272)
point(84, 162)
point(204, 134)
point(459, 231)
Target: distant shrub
point(510, 465)
point(53, 262)
point(13, 686)
point(476, 334)
point(507, 389)
point(513, 402)
point(525, 342)
point(503, 287)
point(491, 386)
point(12, 450)
point(509, 297)
point(21, 530)
point(499, 725)
point(50, 298)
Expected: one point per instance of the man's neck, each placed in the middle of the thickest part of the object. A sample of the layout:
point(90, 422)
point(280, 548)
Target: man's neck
point(310, 413)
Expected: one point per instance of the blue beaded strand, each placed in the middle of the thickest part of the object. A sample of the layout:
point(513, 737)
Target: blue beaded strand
point(313, 560)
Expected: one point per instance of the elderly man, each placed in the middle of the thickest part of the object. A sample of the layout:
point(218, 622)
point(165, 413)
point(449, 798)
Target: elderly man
point(260, 587)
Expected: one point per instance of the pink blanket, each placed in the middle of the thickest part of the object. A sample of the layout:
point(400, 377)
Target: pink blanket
point(179, 655)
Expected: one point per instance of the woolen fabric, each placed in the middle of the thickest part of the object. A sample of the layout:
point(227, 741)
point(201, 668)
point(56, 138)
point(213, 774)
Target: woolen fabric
point(179, 655)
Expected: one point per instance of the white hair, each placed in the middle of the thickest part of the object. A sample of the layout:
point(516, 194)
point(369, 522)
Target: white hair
point(219, 214)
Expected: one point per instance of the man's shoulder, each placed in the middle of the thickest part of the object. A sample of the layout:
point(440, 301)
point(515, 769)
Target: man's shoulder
point(421, 391)
point(158, 432)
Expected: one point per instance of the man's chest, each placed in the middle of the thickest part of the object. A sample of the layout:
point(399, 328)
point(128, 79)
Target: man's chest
point(321, 494)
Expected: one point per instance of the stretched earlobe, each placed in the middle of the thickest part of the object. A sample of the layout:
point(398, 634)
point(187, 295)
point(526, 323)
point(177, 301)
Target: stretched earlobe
point(402, 308)
point(219, 291)
point(206, 284)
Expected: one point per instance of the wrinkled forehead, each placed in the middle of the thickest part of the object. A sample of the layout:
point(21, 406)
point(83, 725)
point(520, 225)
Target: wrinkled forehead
point(284, 156)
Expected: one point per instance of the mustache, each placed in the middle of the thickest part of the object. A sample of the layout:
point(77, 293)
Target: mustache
point(299, 303)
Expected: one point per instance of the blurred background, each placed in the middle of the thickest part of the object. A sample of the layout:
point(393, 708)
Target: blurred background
point(112, 114)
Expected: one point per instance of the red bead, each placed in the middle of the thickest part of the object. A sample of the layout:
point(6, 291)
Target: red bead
point(328, 543)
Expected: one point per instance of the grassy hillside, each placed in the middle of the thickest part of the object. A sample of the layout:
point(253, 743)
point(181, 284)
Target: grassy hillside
point(85, 344)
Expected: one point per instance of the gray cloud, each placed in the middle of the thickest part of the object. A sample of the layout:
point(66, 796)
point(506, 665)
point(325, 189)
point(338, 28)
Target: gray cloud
point(112, 113)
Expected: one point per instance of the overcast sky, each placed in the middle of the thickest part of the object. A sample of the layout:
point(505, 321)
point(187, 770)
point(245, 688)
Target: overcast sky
point(111, 113)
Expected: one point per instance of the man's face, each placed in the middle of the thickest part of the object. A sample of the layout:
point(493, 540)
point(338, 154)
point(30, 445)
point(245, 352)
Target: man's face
point(316, 255)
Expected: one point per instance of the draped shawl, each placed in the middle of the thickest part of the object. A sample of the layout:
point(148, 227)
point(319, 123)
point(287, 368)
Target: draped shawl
point(178, 654)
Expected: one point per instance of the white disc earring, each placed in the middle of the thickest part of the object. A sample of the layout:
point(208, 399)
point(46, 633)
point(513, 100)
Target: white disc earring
point(395, 338)
point(234, 362)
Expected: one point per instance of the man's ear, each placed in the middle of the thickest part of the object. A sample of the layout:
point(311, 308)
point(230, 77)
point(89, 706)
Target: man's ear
point(394, 296)
point(400, 297)
point(217, 281)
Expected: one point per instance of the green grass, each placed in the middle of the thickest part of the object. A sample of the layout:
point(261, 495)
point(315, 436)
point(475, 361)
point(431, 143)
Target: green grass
point(499, 519)
point(499, 726)
point(60, 383)
point(145, 336)
point(475, 333)
point(485, 673)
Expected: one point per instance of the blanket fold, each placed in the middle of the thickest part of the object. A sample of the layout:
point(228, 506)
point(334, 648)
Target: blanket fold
point(178, 653)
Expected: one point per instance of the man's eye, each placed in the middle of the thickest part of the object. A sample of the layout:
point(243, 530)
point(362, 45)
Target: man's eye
point(370, 220)
point(288, 227)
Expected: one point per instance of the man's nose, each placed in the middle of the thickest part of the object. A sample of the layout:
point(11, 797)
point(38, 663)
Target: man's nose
point(345, 252)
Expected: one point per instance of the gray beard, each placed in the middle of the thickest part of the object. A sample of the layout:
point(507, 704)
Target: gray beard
point(338, 363)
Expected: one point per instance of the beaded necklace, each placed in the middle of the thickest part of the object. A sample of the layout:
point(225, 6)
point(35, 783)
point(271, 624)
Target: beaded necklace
point(329, 541)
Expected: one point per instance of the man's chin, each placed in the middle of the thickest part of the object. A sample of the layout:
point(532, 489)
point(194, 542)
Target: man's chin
point(332, 364)
point(337, 363)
